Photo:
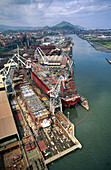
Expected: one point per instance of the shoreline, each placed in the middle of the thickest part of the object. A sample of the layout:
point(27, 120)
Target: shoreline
point(97, 46)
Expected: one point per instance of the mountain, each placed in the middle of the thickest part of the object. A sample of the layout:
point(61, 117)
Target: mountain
point(63, 25)
point(6, 27)
point(66, 25)
point(46, 27)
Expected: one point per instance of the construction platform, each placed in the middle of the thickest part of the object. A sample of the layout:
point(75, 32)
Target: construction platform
point(53, 141)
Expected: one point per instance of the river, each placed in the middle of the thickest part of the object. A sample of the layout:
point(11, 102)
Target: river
point(92, 74)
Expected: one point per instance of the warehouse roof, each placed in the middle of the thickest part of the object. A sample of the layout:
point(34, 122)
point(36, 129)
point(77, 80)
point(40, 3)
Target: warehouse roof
point(7, 124)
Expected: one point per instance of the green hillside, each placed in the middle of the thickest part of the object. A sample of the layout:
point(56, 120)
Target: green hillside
point(66, 25)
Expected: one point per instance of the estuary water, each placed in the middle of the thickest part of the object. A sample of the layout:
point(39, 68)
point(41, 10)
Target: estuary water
point(92, 74)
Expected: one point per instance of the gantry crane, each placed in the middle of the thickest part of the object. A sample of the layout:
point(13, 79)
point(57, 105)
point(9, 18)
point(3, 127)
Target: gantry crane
point(13, 63)
point(69, 62)
point(55, 97)
point(39, 52)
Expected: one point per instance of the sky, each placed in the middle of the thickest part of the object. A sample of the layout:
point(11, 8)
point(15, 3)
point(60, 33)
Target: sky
point(86, 13)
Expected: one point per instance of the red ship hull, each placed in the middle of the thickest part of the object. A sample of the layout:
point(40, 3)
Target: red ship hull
point(40, 83)
point(67, 102)
point(70, 103)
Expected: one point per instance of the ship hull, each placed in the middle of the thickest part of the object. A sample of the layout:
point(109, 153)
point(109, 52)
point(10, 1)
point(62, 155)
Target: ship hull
point(83, 102)
point(71, 102)
point(66, 103)
point(40, 83)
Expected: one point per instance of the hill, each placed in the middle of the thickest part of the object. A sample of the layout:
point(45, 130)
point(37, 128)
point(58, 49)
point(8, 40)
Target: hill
point(66, 25)
point(63, 25)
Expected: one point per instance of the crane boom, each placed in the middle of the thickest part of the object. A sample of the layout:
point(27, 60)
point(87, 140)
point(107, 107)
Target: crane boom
point(42, 55)
point(11, 64)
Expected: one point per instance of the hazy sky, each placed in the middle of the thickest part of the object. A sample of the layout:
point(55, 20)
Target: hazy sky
point(86, 13)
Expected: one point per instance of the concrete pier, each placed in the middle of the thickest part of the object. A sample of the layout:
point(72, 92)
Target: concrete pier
point(76, 145)
point(63, 153)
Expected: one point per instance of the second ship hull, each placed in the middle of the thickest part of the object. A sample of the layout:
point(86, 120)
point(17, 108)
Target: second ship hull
point(72, 102)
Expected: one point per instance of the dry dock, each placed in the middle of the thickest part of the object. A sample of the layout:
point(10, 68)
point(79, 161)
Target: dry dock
point(39, 145)
point(55, 140)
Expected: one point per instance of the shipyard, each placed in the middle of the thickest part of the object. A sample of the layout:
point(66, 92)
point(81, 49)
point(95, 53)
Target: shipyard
point(55, 85)
point(36, 91)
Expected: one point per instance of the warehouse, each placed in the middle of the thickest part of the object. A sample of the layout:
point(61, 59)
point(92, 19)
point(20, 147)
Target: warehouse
point(7, 124)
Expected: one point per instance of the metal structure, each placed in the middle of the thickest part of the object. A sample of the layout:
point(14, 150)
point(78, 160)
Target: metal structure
point(55, 102)
point(39, 52)
point(69, 62)
point(8, 71)
point(55, 98)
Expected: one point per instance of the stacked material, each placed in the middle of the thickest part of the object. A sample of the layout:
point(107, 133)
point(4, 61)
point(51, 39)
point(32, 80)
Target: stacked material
point(18, 116)
point(34, 105)
point(29, 146)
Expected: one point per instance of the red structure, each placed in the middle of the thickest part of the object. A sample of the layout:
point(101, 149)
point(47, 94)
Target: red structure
point(42, 145)
point(46, 47)
point(40, 83)
point(47, 82)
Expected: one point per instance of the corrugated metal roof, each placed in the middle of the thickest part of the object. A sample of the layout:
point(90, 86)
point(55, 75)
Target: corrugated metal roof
point(7, 124)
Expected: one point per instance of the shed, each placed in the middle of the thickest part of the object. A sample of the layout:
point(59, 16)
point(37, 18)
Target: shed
point(7, 124)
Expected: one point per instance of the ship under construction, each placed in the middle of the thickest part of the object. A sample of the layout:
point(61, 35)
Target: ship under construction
point(50, 83)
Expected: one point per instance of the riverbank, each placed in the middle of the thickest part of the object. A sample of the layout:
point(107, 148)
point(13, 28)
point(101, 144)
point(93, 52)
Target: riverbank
point(92, 80)
point(99, 47)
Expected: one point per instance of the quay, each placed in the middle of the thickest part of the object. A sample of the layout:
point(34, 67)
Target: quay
point(58, 139)
point(63, 153)
point(39, 145)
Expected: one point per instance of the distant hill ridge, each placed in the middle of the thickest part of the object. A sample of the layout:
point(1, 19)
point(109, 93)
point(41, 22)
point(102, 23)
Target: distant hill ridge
point(66, 25)
point(62, 25)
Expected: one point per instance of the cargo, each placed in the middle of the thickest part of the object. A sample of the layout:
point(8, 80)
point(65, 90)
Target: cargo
point(35, 107)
